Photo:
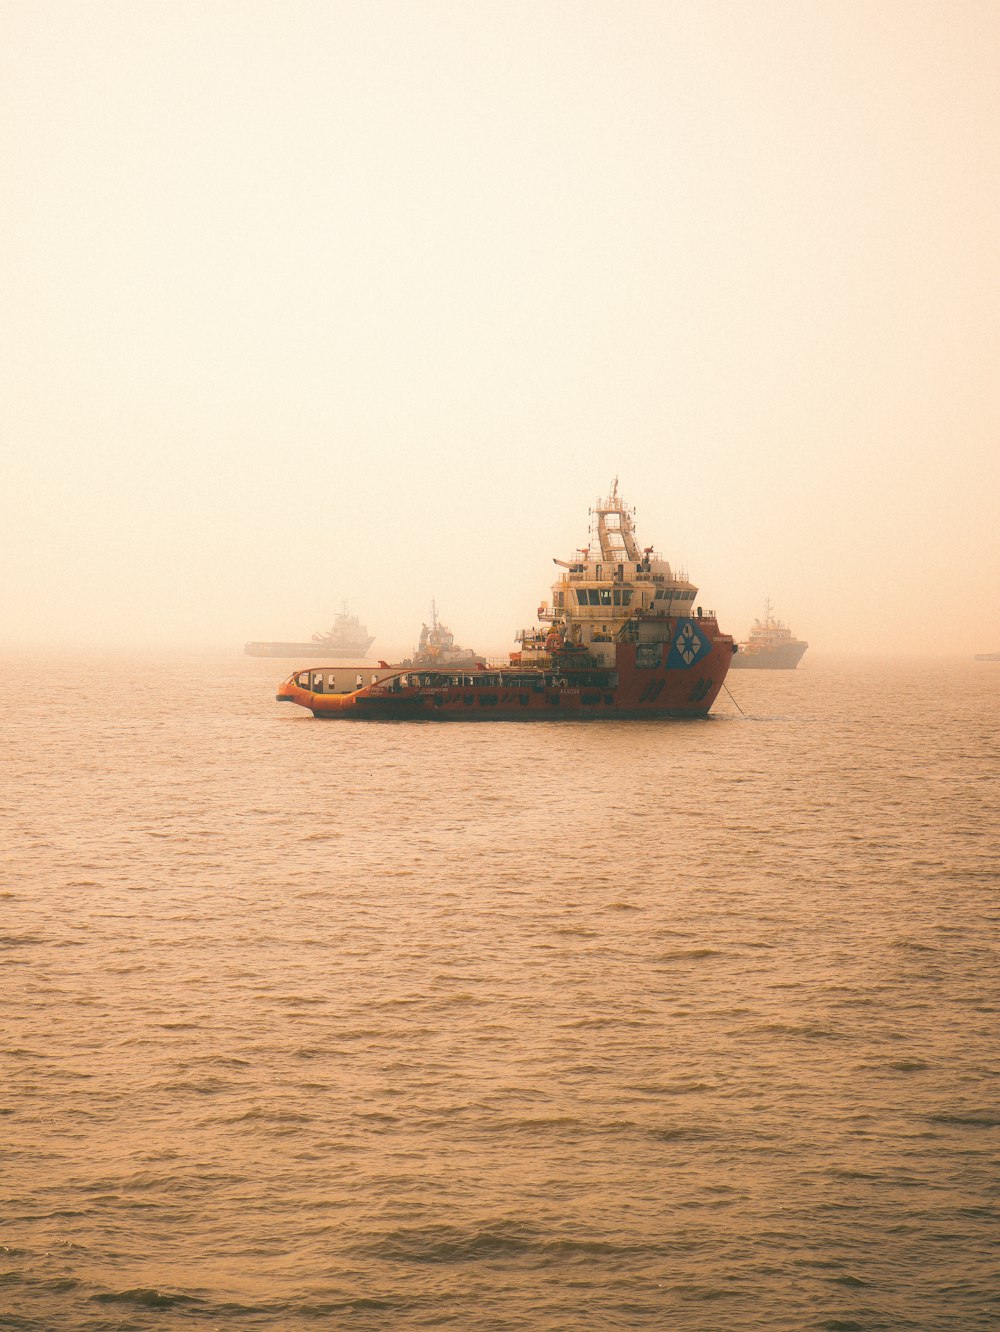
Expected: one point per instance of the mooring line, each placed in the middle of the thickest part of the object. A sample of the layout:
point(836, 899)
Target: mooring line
point(738, 708)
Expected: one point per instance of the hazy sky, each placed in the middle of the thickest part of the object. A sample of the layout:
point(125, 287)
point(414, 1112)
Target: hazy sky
point(305, 301)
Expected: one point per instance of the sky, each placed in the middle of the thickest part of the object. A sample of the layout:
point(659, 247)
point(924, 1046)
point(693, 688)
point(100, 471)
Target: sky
point(305, 302)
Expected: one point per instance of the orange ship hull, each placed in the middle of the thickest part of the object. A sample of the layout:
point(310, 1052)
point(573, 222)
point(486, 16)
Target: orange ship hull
point(668, 682)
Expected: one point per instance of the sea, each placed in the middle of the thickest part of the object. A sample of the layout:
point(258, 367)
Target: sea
point(549, 1025)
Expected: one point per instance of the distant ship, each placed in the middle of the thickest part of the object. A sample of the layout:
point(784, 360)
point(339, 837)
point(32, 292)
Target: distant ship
point(770, 646)
point(348, 638)
point(986, 656)
point(622, 638)
point(437, 647)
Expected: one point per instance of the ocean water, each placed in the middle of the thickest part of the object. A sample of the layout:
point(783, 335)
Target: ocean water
point(686, 1025)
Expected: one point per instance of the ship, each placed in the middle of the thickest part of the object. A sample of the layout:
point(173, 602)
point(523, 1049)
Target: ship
point(437, 647)
point(986, 656)
point(347, 638)
point(770, 647)
point(622, 638)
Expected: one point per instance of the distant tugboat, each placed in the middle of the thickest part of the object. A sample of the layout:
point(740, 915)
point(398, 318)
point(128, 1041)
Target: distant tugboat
point(348, 638)
point(770, 646)
point(437, 647)
point(622, 639)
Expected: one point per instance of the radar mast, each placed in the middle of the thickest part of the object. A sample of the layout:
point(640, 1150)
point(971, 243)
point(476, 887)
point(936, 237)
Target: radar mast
point(615, 533)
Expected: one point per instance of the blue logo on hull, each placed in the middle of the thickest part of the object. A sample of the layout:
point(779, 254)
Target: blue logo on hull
point(690, 644)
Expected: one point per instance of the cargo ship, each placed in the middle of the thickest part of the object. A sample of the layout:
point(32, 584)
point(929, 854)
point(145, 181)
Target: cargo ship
point(348, 638)
point(622, 638)
point(770, 646)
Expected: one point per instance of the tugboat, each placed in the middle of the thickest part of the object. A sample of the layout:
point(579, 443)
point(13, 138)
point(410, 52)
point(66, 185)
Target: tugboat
point(622, 638)
point(770, 646)
point(348, 638)
point(437, 647)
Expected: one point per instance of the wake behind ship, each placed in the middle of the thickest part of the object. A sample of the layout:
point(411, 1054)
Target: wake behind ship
point(621, 639)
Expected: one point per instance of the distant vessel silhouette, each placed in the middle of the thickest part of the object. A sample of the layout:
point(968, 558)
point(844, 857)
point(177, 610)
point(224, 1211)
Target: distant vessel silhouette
point(770, 646)
point(437, 647)
point(347, 638)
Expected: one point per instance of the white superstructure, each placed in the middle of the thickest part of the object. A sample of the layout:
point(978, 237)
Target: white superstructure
point(612, 589)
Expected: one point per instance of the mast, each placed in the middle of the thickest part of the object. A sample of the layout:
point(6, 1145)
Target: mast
point(615, 533)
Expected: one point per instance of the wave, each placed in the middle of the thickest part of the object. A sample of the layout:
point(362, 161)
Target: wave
point(980, 1119)
point(145, 1297)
